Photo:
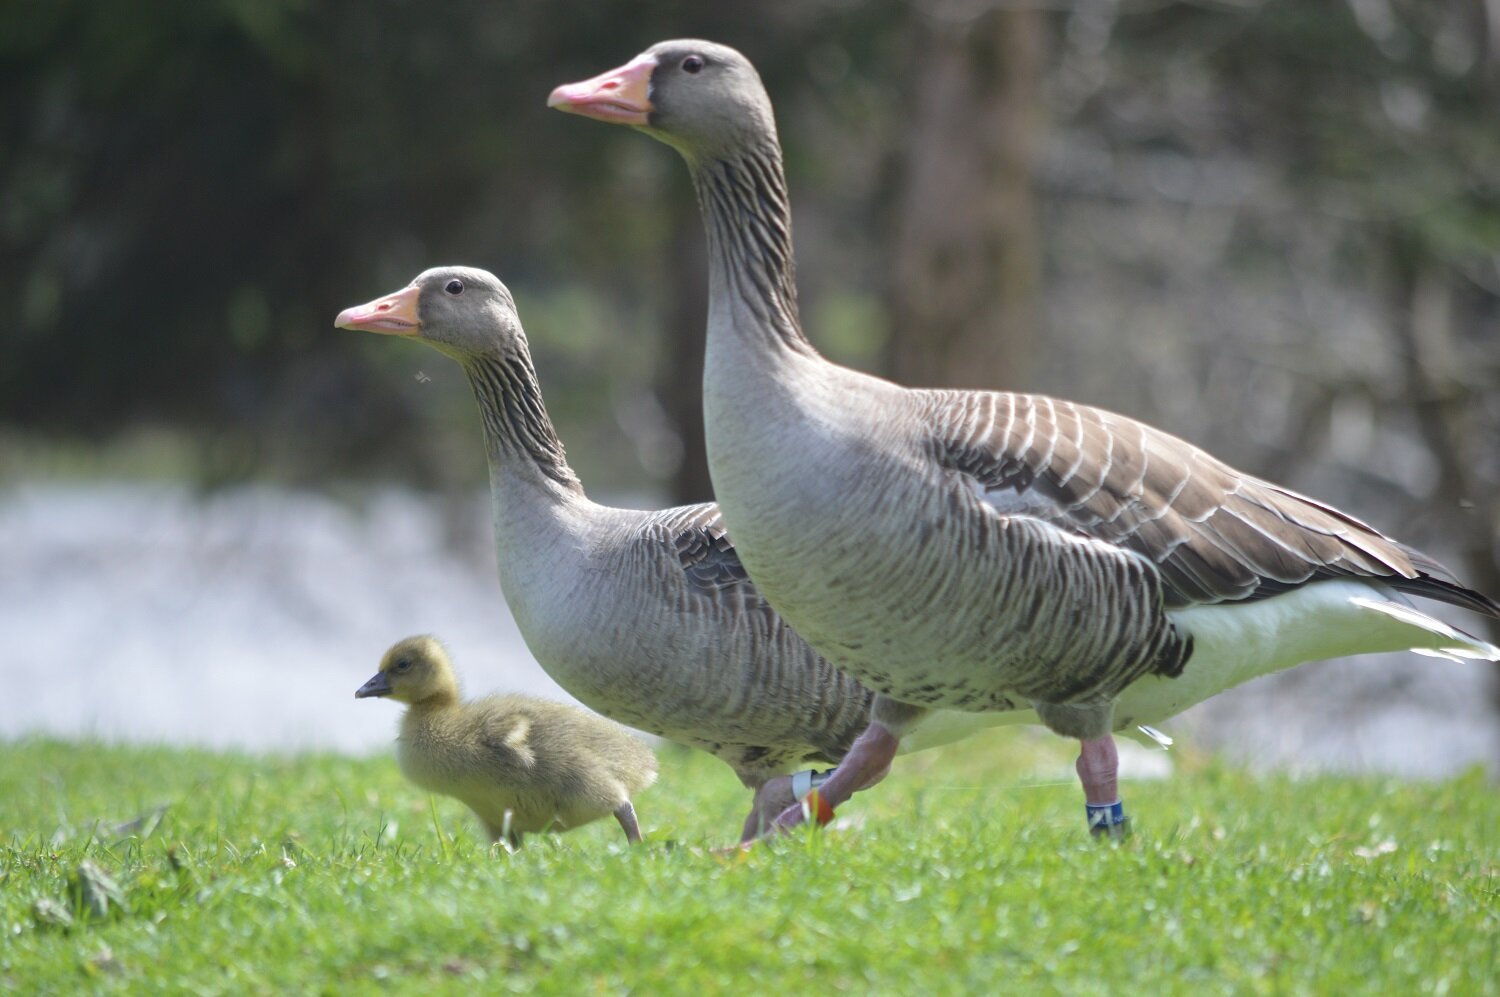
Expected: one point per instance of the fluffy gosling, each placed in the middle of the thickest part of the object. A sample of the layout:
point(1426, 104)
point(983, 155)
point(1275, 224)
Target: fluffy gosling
point(521, 764)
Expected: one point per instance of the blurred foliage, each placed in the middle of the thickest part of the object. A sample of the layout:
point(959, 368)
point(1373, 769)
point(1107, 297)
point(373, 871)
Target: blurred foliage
point(1318, 187)
point(1382, 111)
point(190, 190)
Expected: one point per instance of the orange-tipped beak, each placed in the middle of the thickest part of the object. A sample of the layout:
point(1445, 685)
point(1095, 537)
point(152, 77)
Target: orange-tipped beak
point(621, 96)
point(394, 314)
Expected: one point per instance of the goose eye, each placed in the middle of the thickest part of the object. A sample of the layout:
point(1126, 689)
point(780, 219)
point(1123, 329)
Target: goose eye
point(454, 286)
point(404, 665)
point(692, 64)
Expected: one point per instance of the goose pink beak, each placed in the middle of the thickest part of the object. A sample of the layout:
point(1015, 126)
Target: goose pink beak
point(621, 96)
point(394, 314)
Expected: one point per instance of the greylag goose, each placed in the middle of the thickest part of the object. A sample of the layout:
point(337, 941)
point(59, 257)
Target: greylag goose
point(981, 550)
point(645, 617)
point(522, 764)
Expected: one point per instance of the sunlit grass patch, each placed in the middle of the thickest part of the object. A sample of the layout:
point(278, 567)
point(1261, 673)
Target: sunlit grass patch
point(968, 871)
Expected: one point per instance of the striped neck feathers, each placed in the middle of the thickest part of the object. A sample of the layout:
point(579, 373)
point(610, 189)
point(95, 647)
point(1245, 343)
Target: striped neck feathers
point(748, 217)
point(516, 424)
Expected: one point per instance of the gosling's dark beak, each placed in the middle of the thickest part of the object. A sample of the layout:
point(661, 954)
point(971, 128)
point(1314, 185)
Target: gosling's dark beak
point(380, 685)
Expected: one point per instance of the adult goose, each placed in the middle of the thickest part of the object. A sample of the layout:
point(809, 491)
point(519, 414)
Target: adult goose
point(979, 550)
point(645, 617)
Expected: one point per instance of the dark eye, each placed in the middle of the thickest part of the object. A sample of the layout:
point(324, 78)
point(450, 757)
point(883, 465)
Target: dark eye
point(454, 286)
point(693, 64)
point(404, 665)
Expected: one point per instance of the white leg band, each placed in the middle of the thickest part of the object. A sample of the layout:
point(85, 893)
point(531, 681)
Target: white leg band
point(806, 781)
point(801, 783)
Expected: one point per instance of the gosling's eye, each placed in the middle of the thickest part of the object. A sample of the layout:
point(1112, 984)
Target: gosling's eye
point(454, 286)
point(693, 64)
point(404, 665)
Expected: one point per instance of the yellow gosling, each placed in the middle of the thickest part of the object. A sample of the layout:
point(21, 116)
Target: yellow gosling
point(522, 764)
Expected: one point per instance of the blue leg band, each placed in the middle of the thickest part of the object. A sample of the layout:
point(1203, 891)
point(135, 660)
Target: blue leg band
point(1104, 817)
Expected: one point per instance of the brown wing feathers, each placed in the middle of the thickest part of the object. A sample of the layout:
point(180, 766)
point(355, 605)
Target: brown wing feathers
point(1215, 534)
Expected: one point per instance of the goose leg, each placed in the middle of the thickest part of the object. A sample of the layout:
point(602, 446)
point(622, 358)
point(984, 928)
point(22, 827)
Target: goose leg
point(771, 798)
point(1098, 769)
point(625, 814)
point(867, 762)
point(1098, 763)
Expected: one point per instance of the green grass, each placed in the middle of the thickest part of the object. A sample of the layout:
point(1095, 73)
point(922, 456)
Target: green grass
point(965, 873)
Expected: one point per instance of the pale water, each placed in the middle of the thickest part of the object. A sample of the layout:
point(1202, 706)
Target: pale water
point(248, 618)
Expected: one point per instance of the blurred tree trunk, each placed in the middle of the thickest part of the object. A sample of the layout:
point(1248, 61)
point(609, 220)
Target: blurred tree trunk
point(965, 271)
point(680, 387)
point(1441, 396)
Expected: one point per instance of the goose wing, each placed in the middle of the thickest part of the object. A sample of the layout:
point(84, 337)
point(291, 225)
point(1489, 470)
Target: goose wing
point(691, 551)
point(704, 551)
point(791, 705)
point(1215, 534)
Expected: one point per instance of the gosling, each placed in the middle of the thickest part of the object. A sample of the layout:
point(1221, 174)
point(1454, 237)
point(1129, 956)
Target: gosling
point(522, 765)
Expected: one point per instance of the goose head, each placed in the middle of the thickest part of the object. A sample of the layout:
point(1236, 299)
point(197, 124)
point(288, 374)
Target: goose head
point(414, 670)
point(702, 98)
point(462, 311)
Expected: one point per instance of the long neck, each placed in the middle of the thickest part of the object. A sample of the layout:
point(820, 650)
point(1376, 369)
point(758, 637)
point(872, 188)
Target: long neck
point(523, 447)
point(752, 274)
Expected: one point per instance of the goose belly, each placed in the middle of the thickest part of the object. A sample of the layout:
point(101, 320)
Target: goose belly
point(892, 568)
point(626, 643)
point(702, 669)
point(944, 616)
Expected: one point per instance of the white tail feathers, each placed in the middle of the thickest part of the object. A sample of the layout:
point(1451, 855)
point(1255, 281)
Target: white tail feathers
point(1449, 642)
point(1147, 736)
point(1163, 740)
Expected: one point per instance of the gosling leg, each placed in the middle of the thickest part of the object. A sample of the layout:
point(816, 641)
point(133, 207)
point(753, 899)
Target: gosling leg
point(625, 814)
point(502, 834)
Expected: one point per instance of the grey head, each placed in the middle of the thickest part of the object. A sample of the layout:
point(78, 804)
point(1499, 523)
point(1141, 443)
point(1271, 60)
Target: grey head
point(462, 311)
point(702, 98)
